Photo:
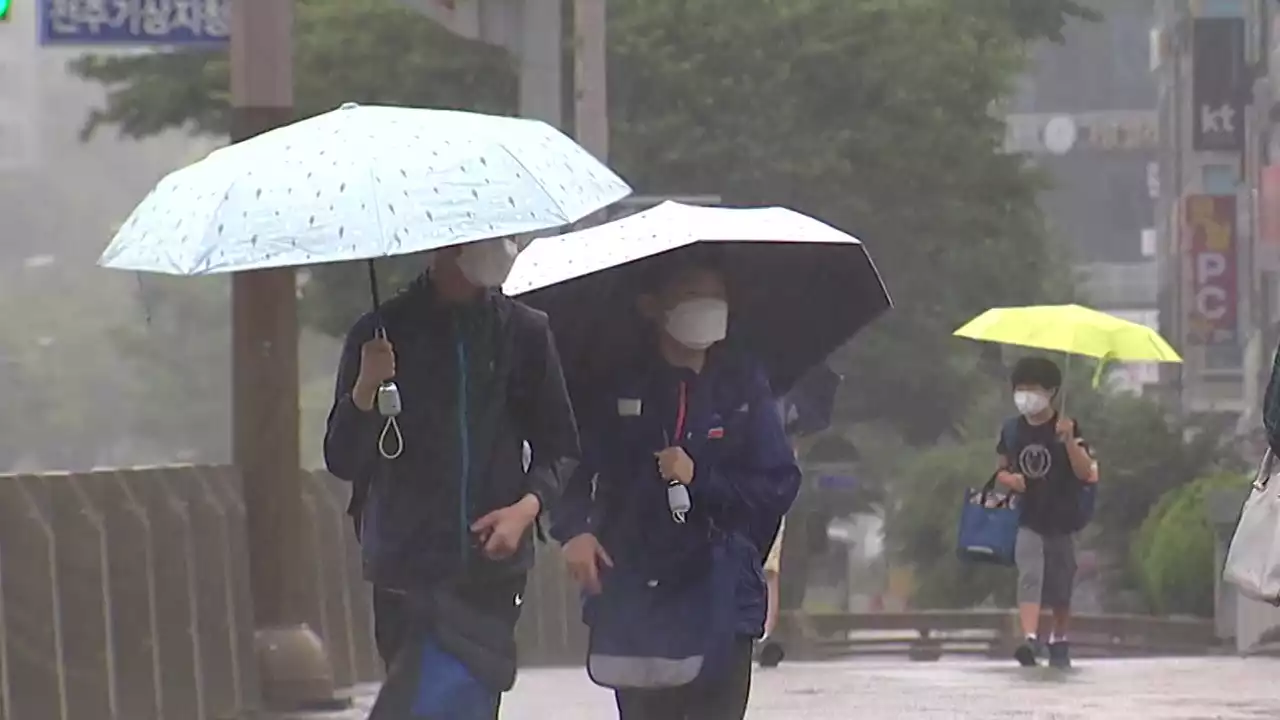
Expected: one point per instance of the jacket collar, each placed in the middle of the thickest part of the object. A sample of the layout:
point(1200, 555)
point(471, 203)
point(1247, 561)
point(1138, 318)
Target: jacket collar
point(657, 367)
point(420, 297)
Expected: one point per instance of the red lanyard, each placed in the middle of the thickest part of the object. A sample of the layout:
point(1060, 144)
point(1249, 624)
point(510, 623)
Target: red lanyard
point(682, 409)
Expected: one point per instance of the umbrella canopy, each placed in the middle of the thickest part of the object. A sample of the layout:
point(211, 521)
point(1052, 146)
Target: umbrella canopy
point(798, 287)
point(1071, 329)
point(361, 183)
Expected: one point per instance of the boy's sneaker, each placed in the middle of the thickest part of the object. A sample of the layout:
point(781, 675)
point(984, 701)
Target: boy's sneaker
point(1060, 654)
point(1026, 654)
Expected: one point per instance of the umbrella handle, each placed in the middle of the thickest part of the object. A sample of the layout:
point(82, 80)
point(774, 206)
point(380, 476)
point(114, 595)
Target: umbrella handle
point(388, 399)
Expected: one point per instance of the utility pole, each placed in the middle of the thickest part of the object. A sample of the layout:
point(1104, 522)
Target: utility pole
point(294, 667)
point(590, 77)
point(590, 81)
point(541, 54)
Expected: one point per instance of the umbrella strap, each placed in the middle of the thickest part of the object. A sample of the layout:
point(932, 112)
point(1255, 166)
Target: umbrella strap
point(388, 404)
point(391, 430)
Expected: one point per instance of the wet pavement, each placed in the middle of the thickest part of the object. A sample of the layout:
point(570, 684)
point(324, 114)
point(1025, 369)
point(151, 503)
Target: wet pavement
point(1163, 689)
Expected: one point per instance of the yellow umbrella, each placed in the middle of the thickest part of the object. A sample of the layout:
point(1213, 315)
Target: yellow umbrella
point(1071, 329)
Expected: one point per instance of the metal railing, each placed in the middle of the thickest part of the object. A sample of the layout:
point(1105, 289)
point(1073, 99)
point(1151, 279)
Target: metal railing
point(928, 635)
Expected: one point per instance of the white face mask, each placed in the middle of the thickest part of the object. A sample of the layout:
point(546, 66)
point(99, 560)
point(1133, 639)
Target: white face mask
point(699, 324)
point(1030, 402)
point(488, 263)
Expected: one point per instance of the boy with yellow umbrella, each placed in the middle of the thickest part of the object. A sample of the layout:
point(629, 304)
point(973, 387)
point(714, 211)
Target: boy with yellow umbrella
point(1042, 456)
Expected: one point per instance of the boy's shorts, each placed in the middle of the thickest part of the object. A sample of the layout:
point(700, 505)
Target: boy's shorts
point(773, 561)
point(1046, 568)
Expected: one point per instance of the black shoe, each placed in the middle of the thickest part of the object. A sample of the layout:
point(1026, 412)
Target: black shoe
point(1060, 655)
point(771, 654)
point(1026, 654)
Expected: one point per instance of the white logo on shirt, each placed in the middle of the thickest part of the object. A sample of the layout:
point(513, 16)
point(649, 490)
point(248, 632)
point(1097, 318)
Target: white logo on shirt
point(1035, 461)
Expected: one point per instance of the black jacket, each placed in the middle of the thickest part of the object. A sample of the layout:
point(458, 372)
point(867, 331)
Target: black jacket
point(412, 513)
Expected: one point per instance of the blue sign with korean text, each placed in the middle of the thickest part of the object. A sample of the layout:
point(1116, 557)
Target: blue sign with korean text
point(135, 22)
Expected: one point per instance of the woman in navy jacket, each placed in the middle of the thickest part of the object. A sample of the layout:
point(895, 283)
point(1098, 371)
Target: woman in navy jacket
point(687, 415)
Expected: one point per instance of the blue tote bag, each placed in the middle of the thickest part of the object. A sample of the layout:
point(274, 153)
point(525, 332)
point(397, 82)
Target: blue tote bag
point(988, 531)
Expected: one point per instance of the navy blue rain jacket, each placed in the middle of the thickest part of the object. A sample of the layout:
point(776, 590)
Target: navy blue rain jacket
point(463, 444)
point(745, 478)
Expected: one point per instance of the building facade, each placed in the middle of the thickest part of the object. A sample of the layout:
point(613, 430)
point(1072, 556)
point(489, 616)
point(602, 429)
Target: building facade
point(1217, 63)
point(1218, 270)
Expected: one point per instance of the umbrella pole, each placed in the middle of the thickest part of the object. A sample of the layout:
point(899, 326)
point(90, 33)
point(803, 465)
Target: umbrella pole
point(1062, 393)
point(373, 290)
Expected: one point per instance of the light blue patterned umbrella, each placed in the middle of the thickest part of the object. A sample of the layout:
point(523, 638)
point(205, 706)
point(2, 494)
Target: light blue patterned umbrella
point(360, 183)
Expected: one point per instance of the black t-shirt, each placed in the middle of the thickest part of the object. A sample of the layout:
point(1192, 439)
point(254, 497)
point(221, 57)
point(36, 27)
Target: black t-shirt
point(1051, 504)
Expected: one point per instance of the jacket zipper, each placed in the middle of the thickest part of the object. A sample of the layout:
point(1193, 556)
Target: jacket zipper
point(682, 410)
point(464, 443)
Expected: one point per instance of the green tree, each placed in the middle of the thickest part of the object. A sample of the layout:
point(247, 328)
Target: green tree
point(874, 116)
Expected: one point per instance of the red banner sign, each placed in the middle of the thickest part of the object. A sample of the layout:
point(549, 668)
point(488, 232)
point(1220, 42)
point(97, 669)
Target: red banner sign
point(1213, 311)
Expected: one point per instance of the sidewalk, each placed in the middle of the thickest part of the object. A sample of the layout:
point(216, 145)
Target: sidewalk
point(1164, 689)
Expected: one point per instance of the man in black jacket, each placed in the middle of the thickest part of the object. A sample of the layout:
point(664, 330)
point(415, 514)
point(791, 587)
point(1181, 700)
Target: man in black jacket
point(441, 496)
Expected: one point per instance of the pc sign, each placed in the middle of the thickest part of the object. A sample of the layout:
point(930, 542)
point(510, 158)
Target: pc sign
point(1213, 314)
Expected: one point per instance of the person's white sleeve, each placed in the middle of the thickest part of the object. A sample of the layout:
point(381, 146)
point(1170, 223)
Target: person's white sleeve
point(773, 562)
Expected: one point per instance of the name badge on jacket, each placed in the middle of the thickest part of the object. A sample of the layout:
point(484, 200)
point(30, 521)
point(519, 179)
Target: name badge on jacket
point(630, 407)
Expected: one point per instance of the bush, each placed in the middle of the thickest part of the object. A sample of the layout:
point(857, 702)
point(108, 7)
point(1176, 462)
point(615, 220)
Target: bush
point(1172, 553)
